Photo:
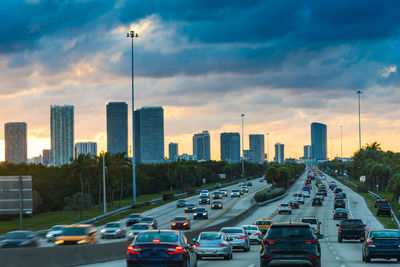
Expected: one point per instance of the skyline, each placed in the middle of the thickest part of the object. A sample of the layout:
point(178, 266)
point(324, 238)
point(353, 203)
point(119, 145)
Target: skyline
point(305, 68)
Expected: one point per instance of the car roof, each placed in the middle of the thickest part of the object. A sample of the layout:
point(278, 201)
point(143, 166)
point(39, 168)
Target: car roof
point(309, 217)
point(263, 220)
point(384, 230)
point(289, 223)
point(79, 225)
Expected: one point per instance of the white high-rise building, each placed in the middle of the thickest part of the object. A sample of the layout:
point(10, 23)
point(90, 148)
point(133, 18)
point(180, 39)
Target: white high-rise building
point(279, 153)
point(85, 148)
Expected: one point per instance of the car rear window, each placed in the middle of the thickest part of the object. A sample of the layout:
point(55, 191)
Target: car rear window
point(250, 227)
point(73, 231)
point(289, 231)
point(17, 235)
point(210, 236)
point(284, 205)
point(147, 220)
point(352, 223)
point(309, 220)
point(140, 227)
point(385, 234)
point(134, 216)
point(232, 230)
point(190, 205)
point(159, 236)
point(263, 223)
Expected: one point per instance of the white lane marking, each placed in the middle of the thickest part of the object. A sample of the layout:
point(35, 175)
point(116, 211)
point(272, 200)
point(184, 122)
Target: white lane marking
point(334, 252)
point(337, 258)
point(330, 247)
point(252, 265)
point(342, 265)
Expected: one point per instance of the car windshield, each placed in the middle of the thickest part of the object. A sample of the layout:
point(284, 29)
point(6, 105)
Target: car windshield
point(57, 228)
point(235, 190)
point(352, 223)
point(232, 230)
point(73, 231)
point(190, 205)
point(203, 197)
point(216, 202)
point(134, 216)
point(210, 236)
point(159, 236)
point(140, 227)
point(17, 235)
point(147, 220)
point(180, 219)
point(181, 201)
point(385, 234)
point(201, 210)
point(112, 225)
point(309, 220)
point(341, 210)
point(263, 223)
point(339, 201)
point(250, 227)
point(287, 232)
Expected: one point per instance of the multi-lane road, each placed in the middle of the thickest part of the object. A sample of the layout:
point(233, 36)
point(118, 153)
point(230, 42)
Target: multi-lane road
point(337, 254)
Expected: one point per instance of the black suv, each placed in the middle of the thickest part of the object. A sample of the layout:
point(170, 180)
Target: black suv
point(351, 229)
point(204, 200)
point(200, 213)
point(383, 210)
point(339, 203)
point(337, 190)
point(288, 243)
point(317, 201)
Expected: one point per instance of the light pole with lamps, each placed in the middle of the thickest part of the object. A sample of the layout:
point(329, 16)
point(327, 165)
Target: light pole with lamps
point(359, 92)
point(133, 35)
point(242, 145)
point(341, 141)
point(104, 184)
point(267, 147)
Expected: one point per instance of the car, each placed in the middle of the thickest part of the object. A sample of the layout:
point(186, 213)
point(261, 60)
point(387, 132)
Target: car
point(384, 244)
point(263, 225)
point(340, 214)
point(77, 234)
point(320, 195)
point(180, 223)
point(379, 201)
point(190, 208)
point(254, 233)
point(294, 204)
point(314, 222)
point(133, 218)
point(242, 184)
point(217, 185)
point(224, 192)
point(245, 189)
point(216, 205)
point(205, 192)
point(238, 237)
point(290, 243)
point(241, 191)
point(137, 228)
point(353, 229)
point(383, 210)
point(306, 194)
point(249, 183)
point(217, 195)
point(316, 201)
point(161, 248)
point(235, 193)
point(323, 190)
point(213, 244)
point(150, 220)
point(284, 208)
point(299, 198)
point(113, 230)
point(200, 213)
point(337, 190)
point(19, 239)
point(306, 188)
point(204, 200)
point(181, 203)
point(53, 232)
point(339, 203)
point(261, 180)
point(340, 195)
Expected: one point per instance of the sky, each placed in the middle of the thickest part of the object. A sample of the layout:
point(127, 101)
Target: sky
point(284, 64)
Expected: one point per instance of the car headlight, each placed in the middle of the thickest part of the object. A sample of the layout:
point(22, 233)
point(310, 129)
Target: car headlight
point(130, 234)
point(195, 214)
point(173, 223)
point(185, 223)
point(83, 241)
point(117, 230)
point(59, 242)
point(49, 235)
point(103, 230)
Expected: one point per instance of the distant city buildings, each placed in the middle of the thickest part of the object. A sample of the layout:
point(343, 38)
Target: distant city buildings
point(117, 127)
point(46, 157)
point(15, 134)
point(149, 135)
point(249, 156)
point(173, 151)
point(187, 157)
point(279, 153)
point(257, 146)
point(230, 147)
point(85, 148)
point(318, 141)
point(62, 134)
point(201, 146)
point(307, 152)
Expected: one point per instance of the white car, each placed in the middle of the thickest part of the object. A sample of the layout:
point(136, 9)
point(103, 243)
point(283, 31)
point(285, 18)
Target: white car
point(314, 222)
point(54, 232)
point(306, 194)
point(204, 192)
point(235, 193)
point(285, 207)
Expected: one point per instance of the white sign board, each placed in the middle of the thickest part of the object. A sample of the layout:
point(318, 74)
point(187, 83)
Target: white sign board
point(362, 178)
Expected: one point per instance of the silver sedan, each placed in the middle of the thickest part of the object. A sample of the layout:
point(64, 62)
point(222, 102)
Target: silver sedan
point(213, 244)
point(113, 230)
point(238, 237)
point(254, 233)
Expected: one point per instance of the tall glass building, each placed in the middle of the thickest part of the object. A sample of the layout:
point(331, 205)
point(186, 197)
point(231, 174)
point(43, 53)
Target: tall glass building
point(62, 134)
point(257, 145)
point(15, 136)
point(201, 146)
point(279, 153)
point(149, 135)
point(117, 127)
point(173, 151)
point(85, 148)
point(230, 147)
point(318, 141)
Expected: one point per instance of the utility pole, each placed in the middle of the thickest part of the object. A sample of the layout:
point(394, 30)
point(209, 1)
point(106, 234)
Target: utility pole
point(268, 147)
point(104, 184)
point(242, 145)
point(341, 141)
point(359, 92)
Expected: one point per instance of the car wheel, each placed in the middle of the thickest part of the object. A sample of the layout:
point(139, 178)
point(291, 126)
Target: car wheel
point(227, 257)
point(340, 240)
point(367, 259)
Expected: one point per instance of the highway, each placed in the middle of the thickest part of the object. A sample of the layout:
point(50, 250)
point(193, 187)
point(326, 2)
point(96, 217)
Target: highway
point(346, 254)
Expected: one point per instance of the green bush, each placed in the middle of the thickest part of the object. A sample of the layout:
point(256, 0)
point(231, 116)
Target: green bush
point(168, 196)
point(268, 193)
point(362, 188)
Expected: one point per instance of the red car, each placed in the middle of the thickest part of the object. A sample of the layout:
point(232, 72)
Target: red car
point(180, 223)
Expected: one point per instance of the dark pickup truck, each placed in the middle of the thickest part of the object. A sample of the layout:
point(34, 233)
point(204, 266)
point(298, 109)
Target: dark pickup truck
point(380, 201)
point(351, 229)
point(383, 210)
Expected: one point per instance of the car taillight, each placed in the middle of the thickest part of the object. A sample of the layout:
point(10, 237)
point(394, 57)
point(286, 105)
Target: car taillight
point(175, 250)
point(364, 229)
point(241, 237)
point(156, 241)
point(223, 245)
point(134, 250)
point(314, 257)
point(370, 243)
point(257, 234)
point(280, 207)
point(340, 229)
point(311, 241)
point(269, 242)
point(197, 245)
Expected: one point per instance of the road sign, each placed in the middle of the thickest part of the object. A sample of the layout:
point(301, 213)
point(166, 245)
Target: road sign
point(362, 178)
point(15, 193)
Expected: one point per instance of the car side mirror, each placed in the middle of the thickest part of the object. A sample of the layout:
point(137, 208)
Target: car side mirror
point(338, 225)
point(320, 236)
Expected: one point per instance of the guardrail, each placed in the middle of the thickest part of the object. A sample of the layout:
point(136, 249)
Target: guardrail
point(394, 216)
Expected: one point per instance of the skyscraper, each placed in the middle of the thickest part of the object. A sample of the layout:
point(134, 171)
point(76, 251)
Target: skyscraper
point(173, 151)
point(149, 135)
point(117, 127)
point(307, 152)
point(257, 145)
point(46, 157)
point(249, 156)
point(201, 146)
point(318, 141)
point(230, 147)
point(85, 148)
point(279, 153)
point(15, 142)
point(62, 134)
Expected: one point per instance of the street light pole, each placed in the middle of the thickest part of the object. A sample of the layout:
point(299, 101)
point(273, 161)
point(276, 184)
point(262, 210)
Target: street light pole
point(104, 184)
point(359, 92)
point(242, 145)
point(268, 147)
point(133, 35)
point(341, 141)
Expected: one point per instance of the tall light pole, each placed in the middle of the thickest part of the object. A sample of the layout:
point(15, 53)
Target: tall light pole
point(341, 141)
point(133, 35)
point(267, 147)
point(242, 145)
point(104, 184)
point(359, 92)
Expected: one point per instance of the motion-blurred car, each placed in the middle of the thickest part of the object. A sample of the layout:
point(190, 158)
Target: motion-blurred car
point(384, 244)
point(238, 237)
point(161, 248)
point(340, 195)
point(200, 213)
point(19, 239)
point(133, 218)
point(137, 228)
point(245, 189)
point(217, 185)
point(150, 220)
point(337, 190)
point(383, 210)
point(261, 180)
point(216, 205)
point(299, 198)
point(204, 192)
point(306, 194)
point(77, 234)
point(320, 195)
point(235, 193)
point(340, 214)
point(190, 208)
point(180, 223)
point(284, 208)
point(181, 203)
point(214, 244)
point(53, 232)
point(254, 233)
point(249, 183)
point(263, 225)
point(113, 230)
